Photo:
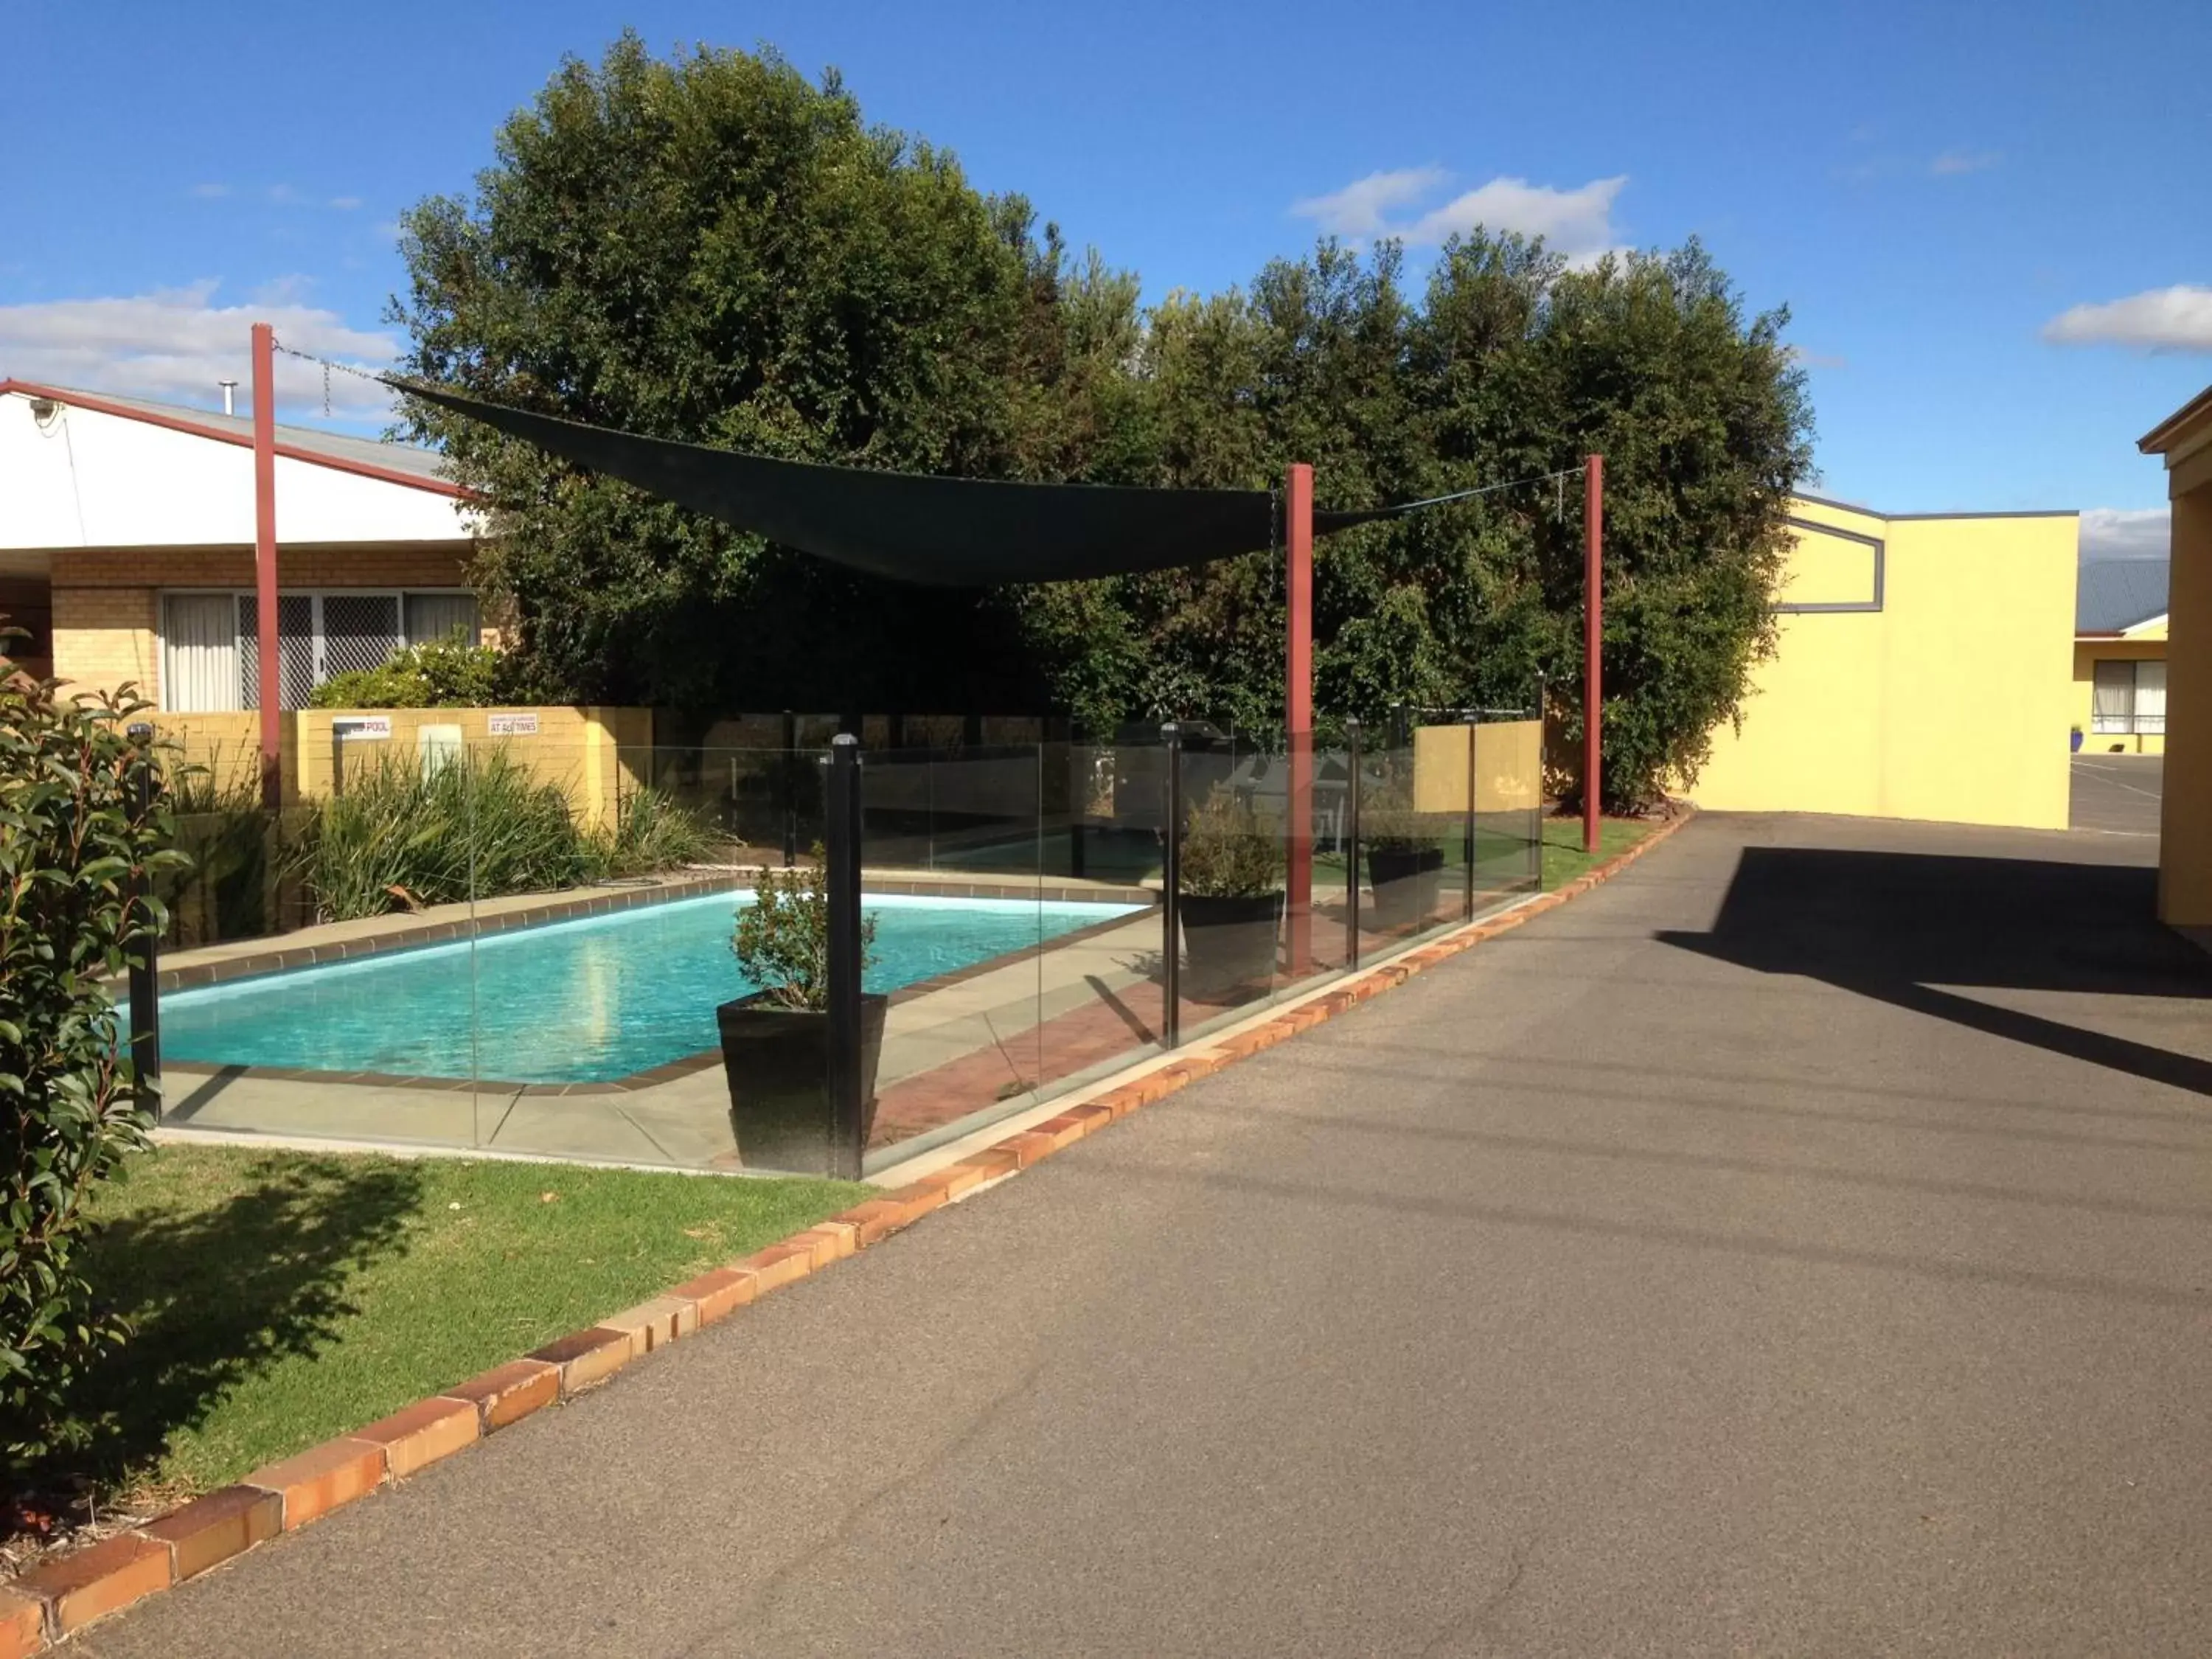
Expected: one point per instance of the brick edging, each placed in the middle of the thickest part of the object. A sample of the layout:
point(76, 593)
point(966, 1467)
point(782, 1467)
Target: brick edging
point(62, 1595)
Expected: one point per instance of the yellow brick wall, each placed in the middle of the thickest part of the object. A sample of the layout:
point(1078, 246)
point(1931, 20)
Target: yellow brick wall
point(104, 637)
point(233, 567)
point(594, 753)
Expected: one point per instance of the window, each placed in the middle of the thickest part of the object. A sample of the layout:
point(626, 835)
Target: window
point(211, 655)
point(2128, 697)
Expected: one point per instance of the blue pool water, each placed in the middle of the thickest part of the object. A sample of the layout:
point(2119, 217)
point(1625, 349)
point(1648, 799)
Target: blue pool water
point(584, 1001)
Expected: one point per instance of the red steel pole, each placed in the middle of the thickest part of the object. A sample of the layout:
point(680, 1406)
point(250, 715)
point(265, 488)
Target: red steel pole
point(1593, 640)
point(1298, 687)
point(265, 563)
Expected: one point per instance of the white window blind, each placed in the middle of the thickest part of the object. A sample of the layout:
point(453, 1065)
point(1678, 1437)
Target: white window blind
point(441, 616)
point(2150, 696)
point(199, 653)
point(2128, 697)
point(2112, 705)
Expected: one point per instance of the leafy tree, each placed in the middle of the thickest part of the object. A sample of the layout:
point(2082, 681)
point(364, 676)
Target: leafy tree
point(716, 250)
point(713, 249)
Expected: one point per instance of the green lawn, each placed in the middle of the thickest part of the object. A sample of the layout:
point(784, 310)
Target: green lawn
point(282, 1298)
point(1563, 858)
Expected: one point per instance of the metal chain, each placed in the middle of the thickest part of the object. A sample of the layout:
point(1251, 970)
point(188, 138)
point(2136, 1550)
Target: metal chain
point(329, 364)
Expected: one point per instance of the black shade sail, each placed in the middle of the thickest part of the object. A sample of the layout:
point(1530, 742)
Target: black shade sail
point(953, 532)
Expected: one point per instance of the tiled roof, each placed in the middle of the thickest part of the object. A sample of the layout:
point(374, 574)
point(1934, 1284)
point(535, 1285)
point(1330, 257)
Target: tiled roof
point(2115, 594)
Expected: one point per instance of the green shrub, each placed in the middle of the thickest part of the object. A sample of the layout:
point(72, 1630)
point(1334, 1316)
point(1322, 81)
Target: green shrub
point(222, 828)
point(1387, 820)
point(401, 835)
point(436, 674)
point(651, 832)
point(782, 937)
point(1229, 851)
point(72, 840)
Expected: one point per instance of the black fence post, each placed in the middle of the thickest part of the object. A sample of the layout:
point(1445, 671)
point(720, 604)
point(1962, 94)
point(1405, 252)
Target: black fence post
point(1349, 844)
point(1171, 893)
point(848, 1115)
point(790, 789)
point(1467, 902)
point(145, 958)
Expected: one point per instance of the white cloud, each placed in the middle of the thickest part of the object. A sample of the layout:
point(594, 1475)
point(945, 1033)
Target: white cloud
point(2178, 319)
point(2126, 532)
point(1953, 161)
point(1816, 359)
point(289, 289)
point(282, 195)
point(345, 204)
point(1361, 208)
point(176, 343)
point(1575, 223)
point(208, 192)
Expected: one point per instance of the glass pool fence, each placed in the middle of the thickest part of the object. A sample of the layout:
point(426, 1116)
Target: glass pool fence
point(504, 942)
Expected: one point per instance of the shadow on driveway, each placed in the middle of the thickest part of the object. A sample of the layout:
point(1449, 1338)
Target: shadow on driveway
point(1894, 926)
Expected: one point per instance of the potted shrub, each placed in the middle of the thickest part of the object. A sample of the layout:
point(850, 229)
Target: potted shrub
point(1231, 899)
point(775, 1043)
point(1405, 865)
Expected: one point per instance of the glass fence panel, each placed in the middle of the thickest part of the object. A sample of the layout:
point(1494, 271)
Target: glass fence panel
point(600, 986)
point(1232, 874)
point(1101, 968)
point(1509, 808)
point(1412, 829)
point(952, 880)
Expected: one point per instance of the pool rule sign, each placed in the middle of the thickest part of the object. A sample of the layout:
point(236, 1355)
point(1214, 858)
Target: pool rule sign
point(512, 725)
point(354, 728)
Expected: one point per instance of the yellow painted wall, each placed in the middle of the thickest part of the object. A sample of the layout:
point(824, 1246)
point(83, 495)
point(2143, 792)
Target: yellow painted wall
point(1508, 775)
point(592, 753)
point(228, 747)
point(2146, 647)
point(578, 748)
point(1952, 702)
point(2184, 875)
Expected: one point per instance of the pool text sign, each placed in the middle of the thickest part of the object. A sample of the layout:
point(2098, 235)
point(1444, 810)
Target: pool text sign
point(512, 725)
point(358, 728)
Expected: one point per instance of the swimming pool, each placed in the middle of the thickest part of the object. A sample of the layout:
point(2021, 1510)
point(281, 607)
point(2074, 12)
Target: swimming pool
point(585, 1001)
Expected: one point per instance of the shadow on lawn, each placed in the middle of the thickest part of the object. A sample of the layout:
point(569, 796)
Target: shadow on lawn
point(216, 1294)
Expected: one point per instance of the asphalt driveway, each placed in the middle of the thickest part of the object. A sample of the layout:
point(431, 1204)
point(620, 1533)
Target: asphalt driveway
point(2118, 794)
point(1798, 1245)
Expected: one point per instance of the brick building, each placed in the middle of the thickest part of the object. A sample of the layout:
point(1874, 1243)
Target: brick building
point(126, 548)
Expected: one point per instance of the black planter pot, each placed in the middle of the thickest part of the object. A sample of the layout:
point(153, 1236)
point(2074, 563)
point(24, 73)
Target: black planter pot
point(1229, 945)
point(1406, 881)
point(777, 1062)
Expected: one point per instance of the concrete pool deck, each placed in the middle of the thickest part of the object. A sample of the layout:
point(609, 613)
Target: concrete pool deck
point(993, 1039)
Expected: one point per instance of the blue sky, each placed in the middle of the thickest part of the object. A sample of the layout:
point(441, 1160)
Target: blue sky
point(1977, 214)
